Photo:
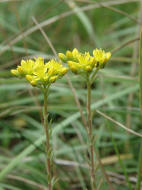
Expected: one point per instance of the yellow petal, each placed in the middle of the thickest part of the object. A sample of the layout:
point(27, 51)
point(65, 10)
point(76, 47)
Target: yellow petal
point(69, 54)
point(53, 79)
point(88, 68)
point(29, 78)
point(64, 71)
point(62, 57)
point(20, 70)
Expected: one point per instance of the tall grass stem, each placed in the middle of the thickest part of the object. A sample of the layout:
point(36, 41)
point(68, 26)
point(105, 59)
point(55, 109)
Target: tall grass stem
point(139, 178)
point(48, 134)
point(91, 138)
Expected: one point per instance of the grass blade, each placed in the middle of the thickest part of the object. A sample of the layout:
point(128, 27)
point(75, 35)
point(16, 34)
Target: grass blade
point(139, 178)
point(59, 128)
point(140, 71)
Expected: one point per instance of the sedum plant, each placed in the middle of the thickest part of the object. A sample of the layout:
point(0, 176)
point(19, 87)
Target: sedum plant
point(41, 75)
point(87, 66)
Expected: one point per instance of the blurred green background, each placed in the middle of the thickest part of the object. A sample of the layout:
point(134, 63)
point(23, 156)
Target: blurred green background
point(86, 25)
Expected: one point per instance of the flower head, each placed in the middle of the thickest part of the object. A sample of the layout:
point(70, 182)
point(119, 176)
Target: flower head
point(39, 73)
point(83, 62)
point(78, 62)
point(101, 57)
point(25, 68)
point(73, 56)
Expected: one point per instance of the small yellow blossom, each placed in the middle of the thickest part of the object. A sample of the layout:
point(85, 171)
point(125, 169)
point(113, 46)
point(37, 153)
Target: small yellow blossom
point(62, 57)
point(14, 72)
point(55, 68)
point(39, 73)
point(73, 56)
point(83, 62)
point(53, 79)
point(25, 68)
point(74, 67)
point(101, 57)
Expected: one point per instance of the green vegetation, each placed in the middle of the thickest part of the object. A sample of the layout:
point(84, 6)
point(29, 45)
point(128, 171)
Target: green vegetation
point(39, 28)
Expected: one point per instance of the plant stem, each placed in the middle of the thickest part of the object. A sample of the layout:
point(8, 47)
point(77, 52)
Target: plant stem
point(139, 178)
point(138, 185)
point(48, 147)
point(90, 135)
point(94, 75)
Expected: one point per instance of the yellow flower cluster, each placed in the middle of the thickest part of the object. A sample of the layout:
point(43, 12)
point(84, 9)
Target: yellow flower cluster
point(84, 63)
point(39, 73)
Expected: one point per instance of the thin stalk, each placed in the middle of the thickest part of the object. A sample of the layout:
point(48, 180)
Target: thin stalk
point(139, 179)
point(90, 135)
point(48, 147)
point(94, 75)
point(140, 70)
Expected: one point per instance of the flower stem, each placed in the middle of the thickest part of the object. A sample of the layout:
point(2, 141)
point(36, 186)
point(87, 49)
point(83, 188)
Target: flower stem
point(48, 146)
point(91, 139)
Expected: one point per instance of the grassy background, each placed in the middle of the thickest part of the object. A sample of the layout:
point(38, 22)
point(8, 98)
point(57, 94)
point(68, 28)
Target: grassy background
point(108, 25)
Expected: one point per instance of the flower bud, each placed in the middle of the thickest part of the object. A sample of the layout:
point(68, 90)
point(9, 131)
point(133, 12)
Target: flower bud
point(29, 78)
point(53, 79)
point(14, 72)
point(69, 54)
point(62, 57)
point(64, 71)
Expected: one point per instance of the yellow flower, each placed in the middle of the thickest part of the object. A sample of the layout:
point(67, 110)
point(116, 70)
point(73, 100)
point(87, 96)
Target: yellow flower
point(55, 68)
point(74, 67)
point(32, 79)
point(53, 79)
point(101, 57)
point(25, 68)
point(78, 62)
point(39, 73)
point(69, 55)
point(14, 72)
point(86, 62)
point(62, 57)
point(83, 62)
point(73, 55)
